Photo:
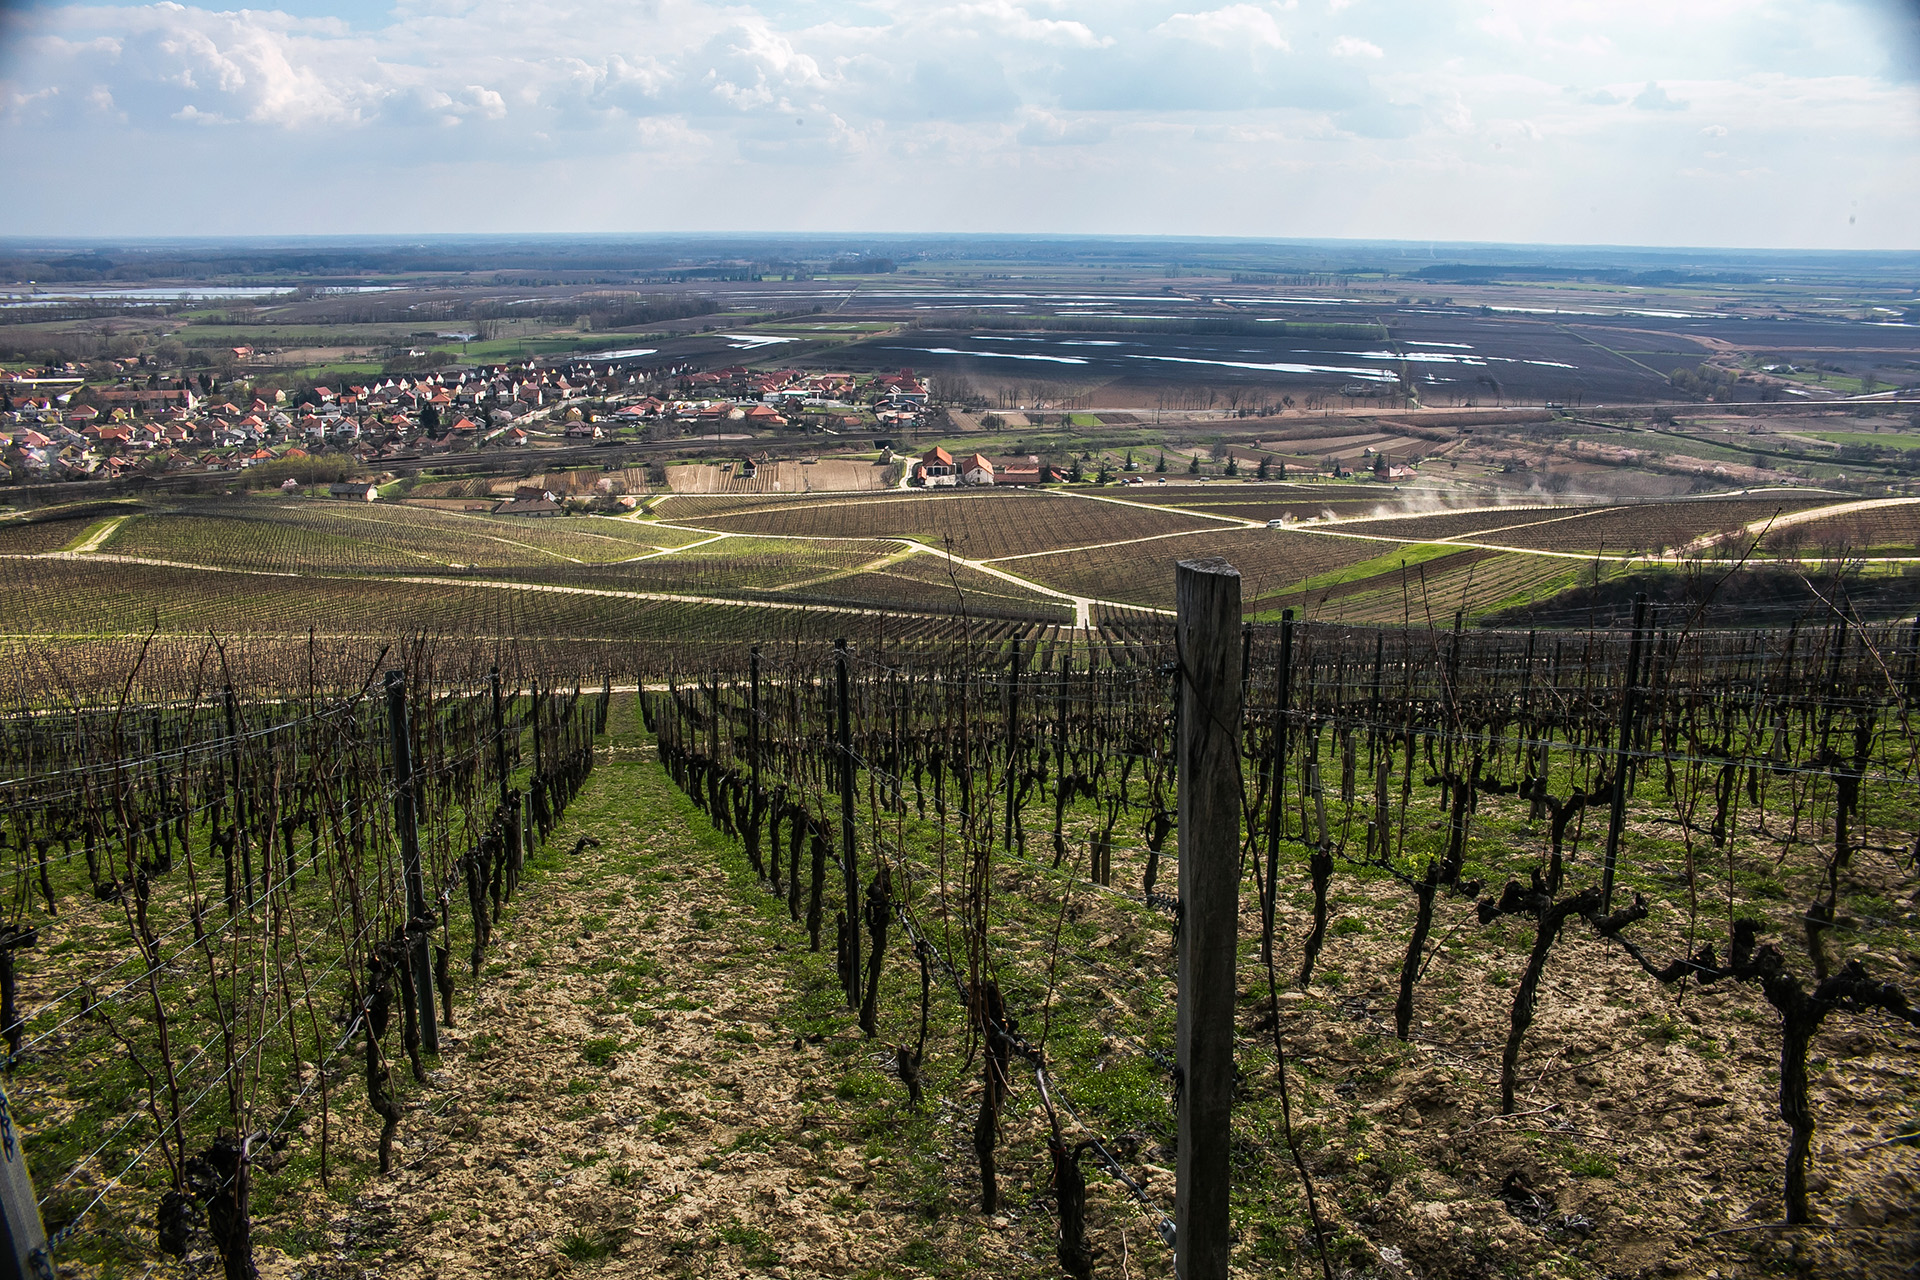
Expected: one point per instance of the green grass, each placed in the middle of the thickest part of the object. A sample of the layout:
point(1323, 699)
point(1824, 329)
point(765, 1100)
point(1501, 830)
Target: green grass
point(1410, 554)
point(600, 1051)
point(589, 1247)
point(756, 1246)
point(1884, 440)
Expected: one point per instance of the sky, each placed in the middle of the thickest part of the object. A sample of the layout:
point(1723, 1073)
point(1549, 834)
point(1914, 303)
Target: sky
point(1740, 123)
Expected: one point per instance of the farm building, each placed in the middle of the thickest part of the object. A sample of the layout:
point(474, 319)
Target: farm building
point(936, 469)
point(517, 506)
point(1025, 470)
point(354, 492)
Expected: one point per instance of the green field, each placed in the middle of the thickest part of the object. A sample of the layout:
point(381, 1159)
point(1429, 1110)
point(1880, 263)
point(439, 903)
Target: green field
point(1876, 439)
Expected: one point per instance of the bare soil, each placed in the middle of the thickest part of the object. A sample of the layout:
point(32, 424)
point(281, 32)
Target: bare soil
point(656, 1080)
point(635, 1093)
point(828, 475)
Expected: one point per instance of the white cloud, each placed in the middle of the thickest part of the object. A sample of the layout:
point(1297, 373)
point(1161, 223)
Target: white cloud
point(1014, 21)
point(1236, 25)
point(1655, 98)
point(1047, 130)
point(1078, 114)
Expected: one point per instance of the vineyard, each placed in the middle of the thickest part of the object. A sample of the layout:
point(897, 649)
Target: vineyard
point(1564, 925)
point(1889, 530)
point(687, 569)
point(983, 527)
point(1577, 952)
point(240, 907)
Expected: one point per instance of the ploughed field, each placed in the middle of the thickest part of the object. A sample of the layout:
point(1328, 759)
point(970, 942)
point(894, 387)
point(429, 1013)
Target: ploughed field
point(1633, 529)
point(976, 526)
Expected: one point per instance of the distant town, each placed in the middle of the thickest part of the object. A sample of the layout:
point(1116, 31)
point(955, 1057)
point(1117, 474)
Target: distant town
point(76, 424)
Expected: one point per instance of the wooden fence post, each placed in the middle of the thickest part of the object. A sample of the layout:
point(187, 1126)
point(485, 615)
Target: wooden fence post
point(406, 817)
point(1208, 596)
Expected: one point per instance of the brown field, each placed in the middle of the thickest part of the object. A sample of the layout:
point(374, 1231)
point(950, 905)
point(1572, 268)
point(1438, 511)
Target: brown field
point(1653, 526)
point(828, 475)
point(18, 537)
point(1890, 531)
point(933, 583)
point(981, 526)
point(283, 535)
point(1282, 508)
point(1269, 560)
point(1456, 524)
point(1184, 492)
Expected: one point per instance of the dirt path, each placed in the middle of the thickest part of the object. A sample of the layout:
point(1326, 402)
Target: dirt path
point(99, 536)
point(645, 1085)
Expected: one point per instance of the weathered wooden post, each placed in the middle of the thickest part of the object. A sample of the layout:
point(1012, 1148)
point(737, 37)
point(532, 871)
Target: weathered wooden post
point(25, 1254)
point(849, 869)
point(406, 819)
point(1208, 596)
point(1629, 696)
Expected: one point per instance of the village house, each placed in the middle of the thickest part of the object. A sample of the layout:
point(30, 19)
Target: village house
point(1025, 470)
point(936, 470)
point(528, 502)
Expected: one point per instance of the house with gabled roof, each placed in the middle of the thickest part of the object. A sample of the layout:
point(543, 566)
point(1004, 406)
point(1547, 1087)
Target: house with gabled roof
point(936, 469)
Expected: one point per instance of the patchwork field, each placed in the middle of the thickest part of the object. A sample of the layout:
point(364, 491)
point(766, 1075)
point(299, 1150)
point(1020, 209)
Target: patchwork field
point(979, 527)
point(696, 565)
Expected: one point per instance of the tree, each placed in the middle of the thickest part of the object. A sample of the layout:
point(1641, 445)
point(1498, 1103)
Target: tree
point(1233, 465)
point(1075, 475)
point(1161, 465)
point(1266, 468)
point(1193, 465)
point(429, 419)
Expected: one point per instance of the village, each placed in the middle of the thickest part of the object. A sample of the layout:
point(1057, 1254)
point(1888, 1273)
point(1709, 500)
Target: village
point(70, 425)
